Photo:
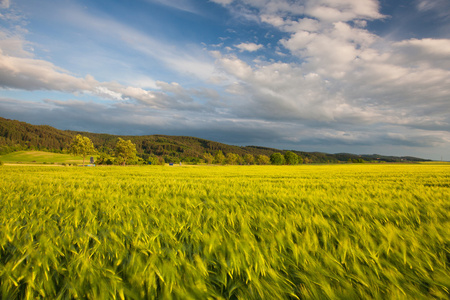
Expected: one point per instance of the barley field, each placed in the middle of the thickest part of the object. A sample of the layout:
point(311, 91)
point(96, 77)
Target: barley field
point(229, 232)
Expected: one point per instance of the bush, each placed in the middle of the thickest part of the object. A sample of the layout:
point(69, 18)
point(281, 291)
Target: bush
point(277, 159)
point(1, 163)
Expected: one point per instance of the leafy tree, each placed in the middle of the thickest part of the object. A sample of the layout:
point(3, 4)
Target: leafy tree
point(262, 160)
point(81, 146)
point(240, 160)
point(300, 160)
point(219, 158)
point(231, 158)
point(291, 158)
point(208, 157)
point(104, 159)
point(277, 159)
point(153, 159)
point(125, 151)
point(249, 159)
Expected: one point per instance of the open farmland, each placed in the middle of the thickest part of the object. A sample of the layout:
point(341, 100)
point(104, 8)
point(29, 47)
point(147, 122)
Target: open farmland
point(228, 232)
point(39, 157)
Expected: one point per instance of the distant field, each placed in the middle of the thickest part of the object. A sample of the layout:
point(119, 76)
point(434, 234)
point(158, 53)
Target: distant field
point(351, 231)
point(41, 157)
point(434, 162)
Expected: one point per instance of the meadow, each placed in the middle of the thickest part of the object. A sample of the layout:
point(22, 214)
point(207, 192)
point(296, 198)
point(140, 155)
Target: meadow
point(41, 157)
point(351, 231)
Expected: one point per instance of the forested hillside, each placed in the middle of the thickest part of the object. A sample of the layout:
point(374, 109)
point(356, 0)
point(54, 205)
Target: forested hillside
point(16, 135)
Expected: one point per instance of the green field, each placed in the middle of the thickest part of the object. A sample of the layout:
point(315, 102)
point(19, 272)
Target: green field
point(40, 157)
point(228, 232)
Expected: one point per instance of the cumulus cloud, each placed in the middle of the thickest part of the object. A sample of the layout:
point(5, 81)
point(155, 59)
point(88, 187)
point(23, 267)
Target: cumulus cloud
point(250, 47)
point(345, 77)
point(344, 10)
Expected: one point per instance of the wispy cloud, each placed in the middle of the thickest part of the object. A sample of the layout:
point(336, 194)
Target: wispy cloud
point(183, 5)
point(188, 60)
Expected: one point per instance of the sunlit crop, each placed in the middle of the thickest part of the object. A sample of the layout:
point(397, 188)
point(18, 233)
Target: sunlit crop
point(228, 232)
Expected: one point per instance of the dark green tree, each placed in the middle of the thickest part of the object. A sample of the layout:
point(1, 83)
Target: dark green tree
point(277, 159)
point(291, 158)
point(104, 159)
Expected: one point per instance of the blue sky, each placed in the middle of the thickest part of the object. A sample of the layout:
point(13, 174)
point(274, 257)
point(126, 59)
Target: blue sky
point(359, 76)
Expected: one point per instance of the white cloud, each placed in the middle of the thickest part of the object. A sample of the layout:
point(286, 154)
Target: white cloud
point(250, 47)
point(440, 7)
point(236, 67)
point(14, 45)
point(343, 10)
point(222, 2)
point(344, 76)
point(35, 74)
point(4, 3)
point(429, 52)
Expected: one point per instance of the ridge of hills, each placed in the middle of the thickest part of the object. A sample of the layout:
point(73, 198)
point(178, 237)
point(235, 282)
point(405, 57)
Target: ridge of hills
point(16, 135)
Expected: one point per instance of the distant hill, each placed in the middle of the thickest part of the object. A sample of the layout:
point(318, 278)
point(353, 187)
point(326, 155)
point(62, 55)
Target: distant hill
point(16, 135)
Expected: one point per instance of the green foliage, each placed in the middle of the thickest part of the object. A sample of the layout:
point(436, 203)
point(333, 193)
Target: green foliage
point(277, 159)
point(263, 160)
point(232, 158)
point(125, 152)
point(153, 160)
point(81, 146)
point(208, 157)
point(219, 158)
point(249, 159)
point(1, 163)
point(104, 159)
point(309, 232)
point(291, 158)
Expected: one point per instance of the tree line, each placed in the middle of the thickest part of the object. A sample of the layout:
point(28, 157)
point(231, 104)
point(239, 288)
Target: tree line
point(289, 158)
point(125, 154)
